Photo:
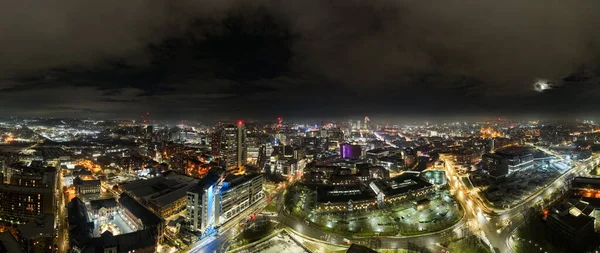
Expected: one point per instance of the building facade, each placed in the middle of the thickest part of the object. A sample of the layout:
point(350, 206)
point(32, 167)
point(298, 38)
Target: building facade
point(86, 186)
point(218, 200)
point(104, 210)
point(507, 161)
point(239, 193)
point(350, 151)
point(21, 204)
point(379, 193)
point(229, 144)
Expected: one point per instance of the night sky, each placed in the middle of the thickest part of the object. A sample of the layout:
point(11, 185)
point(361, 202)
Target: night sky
point(218, 59)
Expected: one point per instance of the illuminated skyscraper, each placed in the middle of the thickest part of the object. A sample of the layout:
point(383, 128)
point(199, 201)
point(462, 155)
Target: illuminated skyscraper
point(229, 143)
point(219, 199)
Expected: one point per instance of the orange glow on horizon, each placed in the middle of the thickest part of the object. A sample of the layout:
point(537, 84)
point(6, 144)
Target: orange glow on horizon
point(489, 133)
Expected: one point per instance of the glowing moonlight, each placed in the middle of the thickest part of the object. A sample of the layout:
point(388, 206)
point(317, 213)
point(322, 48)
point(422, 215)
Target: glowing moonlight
point(541, 86)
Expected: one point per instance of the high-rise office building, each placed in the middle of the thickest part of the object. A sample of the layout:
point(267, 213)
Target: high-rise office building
point(253, 147)
point(229, 143)
point(215, 142)
point(4, 177)
point(149, 130)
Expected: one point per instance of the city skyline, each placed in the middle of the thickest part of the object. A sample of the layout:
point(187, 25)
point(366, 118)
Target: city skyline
point(120, 185)
point(300, 126)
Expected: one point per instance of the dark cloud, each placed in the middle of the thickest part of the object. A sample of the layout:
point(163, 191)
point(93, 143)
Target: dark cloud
point(237, 57)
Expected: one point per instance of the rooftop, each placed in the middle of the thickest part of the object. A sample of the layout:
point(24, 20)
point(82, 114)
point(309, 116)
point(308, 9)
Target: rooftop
point(41, 226)
point(79, 223)
point(377, 151)
point(80, 181)
point(401, 184)
point(391, 159)
point(161, 190)
point(167, 197)
point(141, 212)
point(586, 183)
point(8, 243)
point(106, 203)
point(514, 150)
point(336, 194)
point(128, 242)
point(572, 223)
point(571, 217)
point(210, 179)
point(53, 153)
point(231, 181)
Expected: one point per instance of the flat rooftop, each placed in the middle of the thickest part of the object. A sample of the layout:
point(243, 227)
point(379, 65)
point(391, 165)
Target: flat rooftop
point(337, 194)
point(52, 153)
point(377, 150)
point(234, 180)
point(141, 212)
point(586, 183)
point(571, 222)
point(208, 180)
point(40, 226)
point(8, 243)
point(161, 190)
point(106, 203)
point(514, 150)
point(401, 184)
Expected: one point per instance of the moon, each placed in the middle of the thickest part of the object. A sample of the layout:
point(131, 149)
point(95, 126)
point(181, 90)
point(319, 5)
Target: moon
point(541, 86)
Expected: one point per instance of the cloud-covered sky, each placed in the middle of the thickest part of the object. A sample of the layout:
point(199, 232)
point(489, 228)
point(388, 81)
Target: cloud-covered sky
point(212, 59)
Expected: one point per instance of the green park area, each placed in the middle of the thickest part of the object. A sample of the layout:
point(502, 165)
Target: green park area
point(532, 235)
point(470, 244)
point(271, 207)
point(253, 233)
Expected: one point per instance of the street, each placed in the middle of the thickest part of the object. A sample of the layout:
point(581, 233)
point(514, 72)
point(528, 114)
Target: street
point(486, 218)
point(62, 240)
point(493, 225)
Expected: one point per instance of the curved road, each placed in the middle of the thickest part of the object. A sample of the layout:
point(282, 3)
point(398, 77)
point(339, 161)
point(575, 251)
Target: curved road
point(480, 219)
point(384, 242)
point(492, 223)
